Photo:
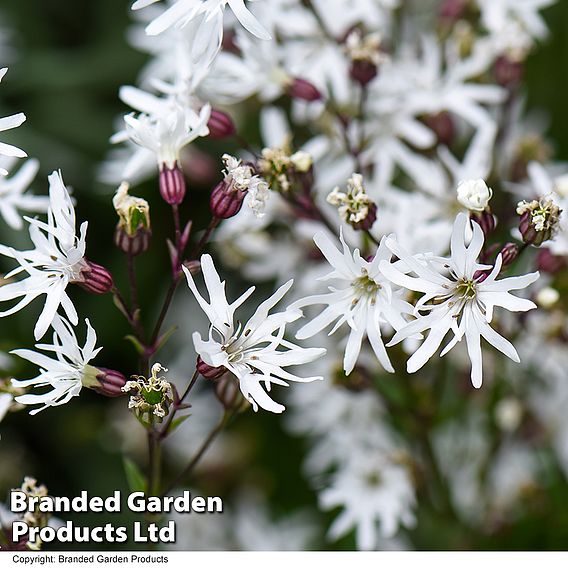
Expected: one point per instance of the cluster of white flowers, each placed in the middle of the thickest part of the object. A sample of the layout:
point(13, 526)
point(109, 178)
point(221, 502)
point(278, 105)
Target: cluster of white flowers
point(409, 111)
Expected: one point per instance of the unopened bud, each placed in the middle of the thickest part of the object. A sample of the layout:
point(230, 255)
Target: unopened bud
point(208, 371)
point(302, 89)
point(548, 262)
point(547, 297)
point(474, 194)
point(485, 219)
point(226, 199)
point(109, 382)
point(220, 124)
point(443, 126)
point(508, 72)
point(95, 278)
point(172, 184)
point(229, 395)
point(509, 253)
point(363, 71)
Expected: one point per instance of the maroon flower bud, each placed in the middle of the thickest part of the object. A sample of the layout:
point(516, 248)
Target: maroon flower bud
point(509, 253)
point(110, 382)
point(368, 221)
point(302, 89)
point(485, 219)
point(363, 71)
point(548, 262)
point(95, 279)
point(220, 124)
point(132, 245)
point(443, 126)
point(172, 185)
point(209, 372)
point(229, 394)
point(226, 200)
point(452, 10)
point(508, 72)
point(481, 275)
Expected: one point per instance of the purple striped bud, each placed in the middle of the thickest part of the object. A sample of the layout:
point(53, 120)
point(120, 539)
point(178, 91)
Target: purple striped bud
point(304, 90)
point(368, 221)
point(229, 394)
point(485, 219)
point(209, 372)
point(226, 200)
point(95, 279)
point(172, 184)
point(110, 382)
point(509, 253)
point(220, 124)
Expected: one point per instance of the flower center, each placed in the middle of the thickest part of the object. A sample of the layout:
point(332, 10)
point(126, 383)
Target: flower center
point(466, 289)
point(365, 286)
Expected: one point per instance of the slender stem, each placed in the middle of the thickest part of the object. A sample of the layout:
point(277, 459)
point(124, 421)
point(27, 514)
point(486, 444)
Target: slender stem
point(163, 433)
point(154, 461)
point(134, 301)
point(201, 451)
point(205, 237)
point(177, 225)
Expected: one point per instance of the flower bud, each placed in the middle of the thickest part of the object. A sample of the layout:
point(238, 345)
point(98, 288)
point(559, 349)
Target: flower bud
point(508, 72)
point(209, 372)
point(226, 200)
point(106, 382)
point(95, 278)
point(229, 394)
point(485, 219)
point(548, 262)
point(547, 297)
point(474, 194)
point(304, 90)
point(509, 253)
point(172, 184)
point(443, 126)
point(220, 124)
point(363, 71)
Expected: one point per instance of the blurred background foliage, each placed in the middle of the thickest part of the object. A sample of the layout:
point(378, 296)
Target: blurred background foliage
point(68, 62)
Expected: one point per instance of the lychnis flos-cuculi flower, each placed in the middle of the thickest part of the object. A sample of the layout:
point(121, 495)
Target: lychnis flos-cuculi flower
point(255, 352)
point(57, 259)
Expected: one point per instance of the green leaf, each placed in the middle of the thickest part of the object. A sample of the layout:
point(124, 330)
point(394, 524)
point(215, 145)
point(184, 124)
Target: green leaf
point(177, 422)
point(134, 477)
point(137, 345)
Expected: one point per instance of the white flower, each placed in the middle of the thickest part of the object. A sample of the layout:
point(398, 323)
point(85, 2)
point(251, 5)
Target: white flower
point(459, 295)
point(14, 198)
point(165, 134)
point(474, 194)
point(259, 192)
point(353, 206)
point(249, 351)
point(7, 123)
point(184, 11)
point(362, 297)
point(65, 372)
point(372, 489)
point(56, 260)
